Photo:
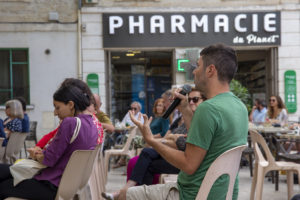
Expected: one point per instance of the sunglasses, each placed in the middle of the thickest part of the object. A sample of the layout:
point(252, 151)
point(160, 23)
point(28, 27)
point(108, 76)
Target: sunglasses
point(194, 99)
point(132, 108)
point(272, 100)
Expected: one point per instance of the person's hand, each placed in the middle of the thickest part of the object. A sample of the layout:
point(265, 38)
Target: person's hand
point(34, 151)
point(39, 157)
point(144, 128)
point(254, 108)
point(184, 104)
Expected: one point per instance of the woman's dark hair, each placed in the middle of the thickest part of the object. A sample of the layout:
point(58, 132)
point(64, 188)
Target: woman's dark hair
point(74, 90)
point(81, 85)
point(271, 111)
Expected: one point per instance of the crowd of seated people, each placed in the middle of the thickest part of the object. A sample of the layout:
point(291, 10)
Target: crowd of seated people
point(275, 113)
point(142, 168)
point(70, 101)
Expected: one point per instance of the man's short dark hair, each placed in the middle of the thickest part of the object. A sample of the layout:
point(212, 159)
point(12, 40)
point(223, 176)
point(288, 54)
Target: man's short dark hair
point(261, 102)
point(223, 57)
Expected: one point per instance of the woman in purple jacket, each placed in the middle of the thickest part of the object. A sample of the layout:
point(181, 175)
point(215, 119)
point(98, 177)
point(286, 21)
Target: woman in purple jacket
point(70, 101)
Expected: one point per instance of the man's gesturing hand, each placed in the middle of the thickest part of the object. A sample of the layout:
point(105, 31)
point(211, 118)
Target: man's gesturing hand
point(144, 128)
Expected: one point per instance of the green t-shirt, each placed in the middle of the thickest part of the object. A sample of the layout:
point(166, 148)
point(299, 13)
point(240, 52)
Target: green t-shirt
point(218, 125)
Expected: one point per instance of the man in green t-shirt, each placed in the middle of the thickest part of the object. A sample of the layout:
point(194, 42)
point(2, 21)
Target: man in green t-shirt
point(219, 124)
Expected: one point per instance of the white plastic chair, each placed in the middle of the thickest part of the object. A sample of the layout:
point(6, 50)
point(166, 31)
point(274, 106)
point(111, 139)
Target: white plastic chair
point(96, 182)
point(227, 163)
point(13, 147)
point(125, 151)
point(263, 166)
point(76, 174)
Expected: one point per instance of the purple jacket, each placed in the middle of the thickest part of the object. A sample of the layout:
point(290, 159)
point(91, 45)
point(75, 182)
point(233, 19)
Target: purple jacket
point(59, 151)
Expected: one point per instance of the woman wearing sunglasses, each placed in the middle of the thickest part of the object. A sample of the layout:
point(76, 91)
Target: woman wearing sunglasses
point(150, 162)
point(277, 113)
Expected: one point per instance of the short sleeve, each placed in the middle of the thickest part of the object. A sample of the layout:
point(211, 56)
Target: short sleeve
point(202, 131)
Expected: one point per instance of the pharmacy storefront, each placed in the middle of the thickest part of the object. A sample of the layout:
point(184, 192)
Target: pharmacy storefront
point(146, 53)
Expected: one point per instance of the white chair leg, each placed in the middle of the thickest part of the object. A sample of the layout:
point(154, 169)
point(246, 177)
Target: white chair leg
point(290, 183)
point(254, 180)
point(106, 162)
point(260, 183)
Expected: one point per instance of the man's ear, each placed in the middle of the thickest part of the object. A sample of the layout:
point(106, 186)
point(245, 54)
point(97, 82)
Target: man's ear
point(211, 70)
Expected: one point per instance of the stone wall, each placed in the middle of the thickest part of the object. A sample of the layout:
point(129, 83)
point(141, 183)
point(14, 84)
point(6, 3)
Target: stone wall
point(192, 3)
point(289, 52)
point(37, 10)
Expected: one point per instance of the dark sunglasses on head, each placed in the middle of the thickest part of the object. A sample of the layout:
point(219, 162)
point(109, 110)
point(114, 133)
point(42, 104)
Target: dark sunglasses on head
point(194, 99)
point(272, 100)
point(132, 108)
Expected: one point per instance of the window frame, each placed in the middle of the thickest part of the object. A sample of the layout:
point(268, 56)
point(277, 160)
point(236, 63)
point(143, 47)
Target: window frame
point(11, 63)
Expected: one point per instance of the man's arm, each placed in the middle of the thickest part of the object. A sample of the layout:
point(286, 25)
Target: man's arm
point(108, 127)
point(187, 161)
point(251, 114)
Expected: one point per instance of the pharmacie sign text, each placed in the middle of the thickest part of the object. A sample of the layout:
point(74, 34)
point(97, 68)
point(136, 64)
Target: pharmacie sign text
point(190, 29)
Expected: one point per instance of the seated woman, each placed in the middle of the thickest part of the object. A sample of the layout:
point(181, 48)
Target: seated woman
point(46, 139)
point(69, 102)
point(150, 162)
point(13, 122)
point(159, 126)
point(277, 113)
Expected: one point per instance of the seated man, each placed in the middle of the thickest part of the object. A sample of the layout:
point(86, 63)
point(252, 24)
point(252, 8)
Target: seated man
point(258, 112)
point(136, 108)
point(102, 117)
point(219, 124)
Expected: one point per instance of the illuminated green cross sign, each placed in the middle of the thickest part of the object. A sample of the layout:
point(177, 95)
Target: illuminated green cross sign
point(179, 62)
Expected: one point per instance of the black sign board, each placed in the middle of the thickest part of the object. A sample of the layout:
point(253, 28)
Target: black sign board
point(190, 29)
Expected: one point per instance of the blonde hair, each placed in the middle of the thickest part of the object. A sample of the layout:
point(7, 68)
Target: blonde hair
point(15, 107)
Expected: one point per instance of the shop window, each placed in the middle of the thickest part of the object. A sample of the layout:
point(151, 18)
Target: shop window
point(14, 76)
point(138, 76)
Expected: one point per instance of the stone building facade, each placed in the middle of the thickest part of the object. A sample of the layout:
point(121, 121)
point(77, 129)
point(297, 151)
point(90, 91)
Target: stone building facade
point(40, 39)
point(271, 61)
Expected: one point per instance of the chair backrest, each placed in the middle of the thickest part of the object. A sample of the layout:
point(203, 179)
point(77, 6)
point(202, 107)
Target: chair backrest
point(77, 173)
point(14, 146)
point(131, 135)
point(97, 181)
point(227, 163)
point(32, 131)
point(257, 140)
